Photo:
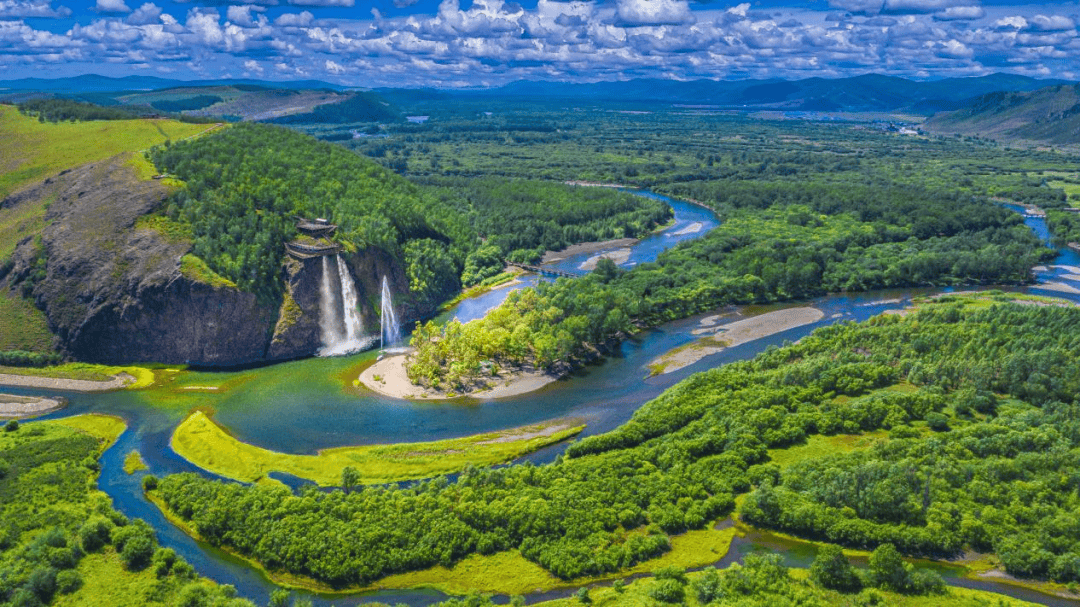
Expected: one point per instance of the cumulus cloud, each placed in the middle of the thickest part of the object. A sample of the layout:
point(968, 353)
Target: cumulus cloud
point(146, 14)
point(470, 42)
point(1050, 23)
point(653, 12)
point(112, 6)
point(33, 8)
point(958, 13)
point(322, 2)
point(242, 15)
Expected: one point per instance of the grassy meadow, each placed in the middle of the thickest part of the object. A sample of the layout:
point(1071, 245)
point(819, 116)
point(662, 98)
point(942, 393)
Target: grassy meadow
point(207, 445)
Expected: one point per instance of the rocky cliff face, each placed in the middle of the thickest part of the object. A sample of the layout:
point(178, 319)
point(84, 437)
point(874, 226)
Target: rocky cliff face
point(113, 292)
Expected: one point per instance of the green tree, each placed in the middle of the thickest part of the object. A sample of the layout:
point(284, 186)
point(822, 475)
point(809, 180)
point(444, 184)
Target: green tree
point(831, 569)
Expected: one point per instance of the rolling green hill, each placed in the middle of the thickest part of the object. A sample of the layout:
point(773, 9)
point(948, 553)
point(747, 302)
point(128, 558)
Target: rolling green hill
point(1049, 115)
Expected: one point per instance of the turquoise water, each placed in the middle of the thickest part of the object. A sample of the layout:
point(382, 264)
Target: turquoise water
point(304, 406)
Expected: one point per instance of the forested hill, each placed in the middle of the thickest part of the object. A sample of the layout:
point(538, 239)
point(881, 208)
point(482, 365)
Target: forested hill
point(1049, 115)
point(245, 187)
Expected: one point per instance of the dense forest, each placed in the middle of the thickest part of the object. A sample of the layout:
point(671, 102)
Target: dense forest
point(977, 396)
point(523, 219)
point(239, 219)
point(53, 523)
point(245, 187)
point(777, 241)
point(59, 110)
point(359, 107)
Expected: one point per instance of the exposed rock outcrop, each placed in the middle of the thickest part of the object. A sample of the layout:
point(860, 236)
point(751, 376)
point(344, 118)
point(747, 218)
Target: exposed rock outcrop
point(114, 291)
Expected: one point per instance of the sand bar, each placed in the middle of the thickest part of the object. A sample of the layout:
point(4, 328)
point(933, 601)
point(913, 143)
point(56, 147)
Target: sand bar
point(393, 381)
point(693, 228)
point(1072, 277)
point(733, 334)
point(587, 247)
point(1058, 286)
point(619, 256)
point(1070, 269)
point(12, 406)
point(71, 385)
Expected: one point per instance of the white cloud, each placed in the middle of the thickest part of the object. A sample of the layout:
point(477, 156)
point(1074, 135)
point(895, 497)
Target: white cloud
point(33, 8)
point(241, 15)
point(1051, 23)
point(112, 6)
point(956, 13)
point(252, 67)
point(653, 12)
point(334, 68)
point(322, 2)
point(145, 15)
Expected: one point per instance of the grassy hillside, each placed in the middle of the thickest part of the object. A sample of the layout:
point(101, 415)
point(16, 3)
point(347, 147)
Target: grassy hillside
point(1049, 115)
point(33, 151)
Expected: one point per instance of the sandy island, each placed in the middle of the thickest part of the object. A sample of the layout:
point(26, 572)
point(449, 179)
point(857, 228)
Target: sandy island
point(1057, 286)
point(732, 334)
point(393, 381)
point(587, 247)
point(71, 385)
point(619, 256)
point(12, 406)
point(693, 228)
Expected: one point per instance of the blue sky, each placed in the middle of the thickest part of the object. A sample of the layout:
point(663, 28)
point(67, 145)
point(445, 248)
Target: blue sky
point(453, 43)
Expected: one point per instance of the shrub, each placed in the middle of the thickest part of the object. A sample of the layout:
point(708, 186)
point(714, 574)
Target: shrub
point(95, 533)
point(831, 569)
point(68, 581)
point(668, 591)
point(11, 426)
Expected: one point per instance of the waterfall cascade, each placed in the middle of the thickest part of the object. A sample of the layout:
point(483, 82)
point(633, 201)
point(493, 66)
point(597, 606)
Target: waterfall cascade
point(389, 328)
point(340, 324)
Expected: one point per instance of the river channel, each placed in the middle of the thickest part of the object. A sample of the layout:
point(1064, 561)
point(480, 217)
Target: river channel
point(308, 405)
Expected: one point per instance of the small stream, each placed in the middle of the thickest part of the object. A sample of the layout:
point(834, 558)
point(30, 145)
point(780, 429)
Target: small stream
point(304, 406)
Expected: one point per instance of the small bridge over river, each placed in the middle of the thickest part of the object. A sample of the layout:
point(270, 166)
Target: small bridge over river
point(542, 270)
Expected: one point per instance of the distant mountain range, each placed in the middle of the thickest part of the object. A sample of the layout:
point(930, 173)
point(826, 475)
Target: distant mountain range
point(1049, 115)
point(871, 92)
point(93, 83)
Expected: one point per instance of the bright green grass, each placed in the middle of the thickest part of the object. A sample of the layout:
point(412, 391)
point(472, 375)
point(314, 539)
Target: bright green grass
point(36, 150)
point(143, 374)
point(104, 427)
point(133, 462)
point(202, 442)
point(22, 325)
point(196, 269)
point(636, 594)
point(489, 573)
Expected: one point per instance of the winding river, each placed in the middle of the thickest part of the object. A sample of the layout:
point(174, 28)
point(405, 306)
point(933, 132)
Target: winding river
point(304, 406)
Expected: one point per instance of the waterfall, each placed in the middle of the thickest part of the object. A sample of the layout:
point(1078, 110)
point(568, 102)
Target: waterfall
point(353, 328)
point(390, 331)
point(340, 325)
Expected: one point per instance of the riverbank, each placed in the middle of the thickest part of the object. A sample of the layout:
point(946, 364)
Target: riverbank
point(21, 407)
point(204, 443)
point(118, 381)
point(389, 378)
point(719, 337)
